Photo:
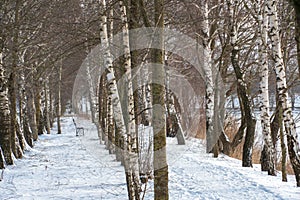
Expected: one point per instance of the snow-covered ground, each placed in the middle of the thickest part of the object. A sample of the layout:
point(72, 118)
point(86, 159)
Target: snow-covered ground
point(69, 167)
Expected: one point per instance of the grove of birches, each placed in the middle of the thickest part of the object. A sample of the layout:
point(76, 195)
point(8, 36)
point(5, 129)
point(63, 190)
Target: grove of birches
point(252, 47)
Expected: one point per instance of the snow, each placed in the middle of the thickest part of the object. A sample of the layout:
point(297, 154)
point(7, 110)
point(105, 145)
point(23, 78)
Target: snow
point(69, 167)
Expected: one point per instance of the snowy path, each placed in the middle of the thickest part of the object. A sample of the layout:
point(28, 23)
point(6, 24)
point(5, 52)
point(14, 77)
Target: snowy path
point(62, 167)
point(69, 167)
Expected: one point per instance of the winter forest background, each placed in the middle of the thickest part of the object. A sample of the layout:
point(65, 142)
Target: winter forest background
point(147, 71)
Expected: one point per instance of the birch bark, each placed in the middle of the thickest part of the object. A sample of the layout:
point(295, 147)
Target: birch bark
point(132, 136)
point(209, 85)
point(289, 124)
point(92, 95)
point(32, 108)
point(12, 83)
point(264, 96)
point(47, 105)
point(24, 121)
point(5, 136)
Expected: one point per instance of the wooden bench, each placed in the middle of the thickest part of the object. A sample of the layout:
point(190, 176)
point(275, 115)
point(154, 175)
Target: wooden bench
point(79, 130)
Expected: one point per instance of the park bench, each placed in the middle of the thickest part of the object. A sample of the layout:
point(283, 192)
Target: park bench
point(79, 130)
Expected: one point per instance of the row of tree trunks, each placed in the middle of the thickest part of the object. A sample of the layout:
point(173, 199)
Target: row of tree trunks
point(23, 125)
point(289, 124)
point(115, 108)
point(23, 56)
point(128, 154)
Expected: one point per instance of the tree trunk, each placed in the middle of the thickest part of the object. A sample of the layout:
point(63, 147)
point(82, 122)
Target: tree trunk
point(2, 161)
point(12, 83)
point(289, 124)
point(5, 132)
point(100, 108)
point(38, 113)
point(133, 23)
point(209, 85)
point(58, 99)
point(32, 112)
point(173, 124)
point(283, 148)
point(268, 155)
point(92, 95)
point(296, 5)
point(23, 110)
point(244, 99)
point(47, 105)
point(51, 105)
point(245, 106)
point(159, 118)
point(132, 131)
point(13, 114)
point(109, 136)
point(39, 107)
point(104, 123)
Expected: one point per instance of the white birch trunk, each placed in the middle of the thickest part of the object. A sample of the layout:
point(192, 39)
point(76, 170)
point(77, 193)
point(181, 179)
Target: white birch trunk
point(110, 118)
point(110, 125)
point(209, 111)
point(92, 95)
point(4, 114)
point(24, 110)
point(264, 94)
point(47, 105)
point(32, 108)
point(289, 124)
point(132, 136)
point(147, 93)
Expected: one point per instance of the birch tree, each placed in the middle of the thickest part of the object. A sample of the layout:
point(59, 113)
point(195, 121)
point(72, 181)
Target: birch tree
point(23, 113)
point(132, 176)
point(111, 131)
point(264, 95)
point(289, 124)
point(47, 105)
point(209, 92)
point(12, 87)
point(132, 139)
point(92, 95)
point(32, 108)
point(5, 137)
point(110, 125)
